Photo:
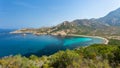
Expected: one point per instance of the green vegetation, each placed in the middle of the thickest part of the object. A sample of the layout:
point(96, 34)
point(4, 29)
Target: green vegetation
point(114, 42)
point(94, 56)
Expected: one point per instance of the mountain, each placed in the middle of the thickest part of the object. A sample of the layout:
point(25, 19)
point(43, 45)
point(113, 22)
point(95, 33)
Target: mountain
point(112, 19)
point(108, 25)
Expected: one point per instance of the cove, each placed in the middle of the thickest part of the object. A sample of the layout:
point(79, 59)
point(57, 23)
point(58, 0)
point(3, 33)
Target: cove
point(13, 44)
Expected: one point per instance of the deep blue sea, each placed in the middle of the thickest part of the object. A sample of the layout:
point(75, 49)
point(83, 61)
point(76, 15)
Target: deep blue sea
point(12, 44)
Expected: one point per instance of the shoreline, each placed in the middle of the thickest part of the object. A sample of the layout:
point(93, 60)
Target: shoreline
point(105, 40)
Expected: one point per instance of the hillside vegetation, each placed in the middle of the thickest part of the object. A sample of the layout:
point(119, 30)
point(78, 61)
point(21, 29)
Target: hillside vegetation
point(108, 25)
point(94, 56)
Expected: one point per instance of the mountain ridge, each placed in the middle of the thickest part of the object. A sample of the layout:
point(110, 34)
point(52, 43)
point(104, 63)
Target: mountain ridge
point(108, 25)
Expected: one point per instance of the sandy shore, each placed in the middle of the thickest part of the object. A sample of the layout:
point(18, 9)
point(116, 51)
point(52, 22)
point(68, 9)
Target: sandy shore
point(105, 40)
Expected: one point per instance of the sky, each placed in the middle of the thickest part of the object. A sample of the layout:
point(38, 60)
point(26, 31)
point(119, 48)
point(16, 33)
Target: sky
point(15, 14)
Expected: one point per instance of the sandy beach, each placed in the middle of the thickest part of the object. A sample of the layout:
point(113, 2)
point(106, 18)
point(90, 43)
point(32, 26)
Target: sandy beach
point(105, 40)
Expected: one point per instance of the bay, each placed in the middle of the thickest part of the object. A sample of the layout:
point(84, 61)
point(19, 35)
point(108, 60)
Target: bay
point(13, 44)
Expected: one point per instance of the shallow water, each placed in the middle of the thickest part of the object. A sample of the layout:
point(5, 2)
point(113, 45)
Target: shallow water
point(12, 44)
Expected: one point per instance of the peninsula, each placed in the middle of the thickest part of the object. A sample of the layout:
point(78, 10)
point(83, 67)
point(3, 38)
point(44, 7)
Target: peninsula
point(107, 27)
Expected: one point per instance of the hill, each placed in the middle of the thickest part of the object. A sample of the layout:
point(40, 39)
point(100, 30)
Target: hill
point(108, 25)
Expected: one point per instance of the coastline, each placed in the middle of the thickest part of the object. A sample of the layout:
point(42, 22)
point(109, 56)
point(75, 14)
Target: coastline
point(105, 40)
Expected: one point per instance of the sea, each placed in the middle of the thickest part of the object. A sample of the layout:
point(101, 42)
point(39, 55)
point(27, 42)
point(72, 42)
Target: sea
point(26, 45)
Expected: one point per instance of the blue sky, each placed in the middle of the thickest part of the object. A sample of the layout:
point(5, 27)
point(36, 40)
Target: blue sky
point(41, 13)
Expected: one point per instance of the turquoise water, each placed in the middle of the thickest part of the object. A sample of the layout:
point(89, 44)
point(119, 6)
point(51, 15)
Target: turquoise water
point(73, 41)
point(12, 44)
